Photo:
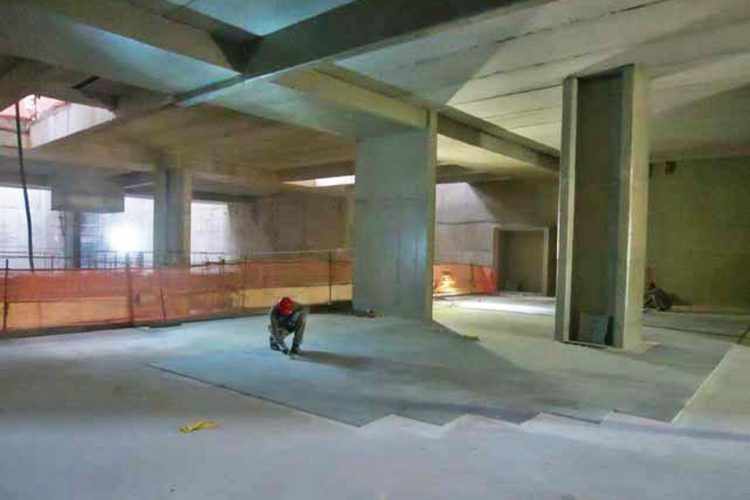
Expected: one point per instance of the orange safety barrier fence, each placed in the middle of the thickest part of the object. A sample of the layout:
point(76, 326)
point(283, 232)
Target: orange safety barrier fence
point(49, 299)
point(458, 279)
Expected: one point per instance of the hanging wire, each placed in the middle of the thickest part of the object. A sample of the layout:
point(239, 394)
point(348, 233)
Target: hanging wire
point(25, 189)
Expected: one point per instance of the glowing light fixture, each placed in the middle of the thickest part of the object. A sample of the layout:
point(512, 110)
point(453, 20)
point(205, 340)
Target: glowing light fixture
point(123, 238)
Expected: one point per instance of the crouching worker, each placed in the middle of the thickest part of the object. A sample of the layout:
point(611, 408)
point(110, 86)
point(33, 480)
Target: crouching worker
point(287, 317)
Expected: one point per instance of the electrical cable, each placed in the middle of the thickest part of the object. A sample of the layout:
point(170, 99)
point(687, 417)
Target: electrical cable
point(25, 189)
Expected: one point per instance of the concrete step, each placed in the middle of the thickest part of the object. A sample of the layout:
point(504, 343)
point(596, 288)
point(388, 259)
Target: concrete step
point(478, 424)
point(619, 419)
point(464, 425)
point(624, 432)
point(395, 424)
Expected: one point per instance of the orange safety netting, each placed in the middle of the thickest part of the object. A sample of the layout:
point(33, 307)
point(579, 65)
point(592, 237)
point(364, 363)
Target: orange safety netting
point(457, 279)
point(47, 299)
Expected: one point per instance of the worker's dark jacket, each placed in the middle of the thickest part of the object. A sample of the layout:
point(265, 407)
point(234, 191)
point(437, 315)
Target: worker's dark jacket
point(289, 323)
point(281, 326)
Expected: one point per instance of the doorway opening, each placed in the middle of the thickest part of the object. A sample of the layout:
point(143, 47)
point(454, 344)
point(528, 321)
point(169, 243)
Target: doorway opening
point(524, 259)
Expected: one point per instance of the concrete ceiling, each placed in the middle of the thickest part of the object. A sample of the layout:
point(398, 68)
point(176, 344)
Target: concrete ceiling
point(509, 71)
point(259, 17)
point(333, 71)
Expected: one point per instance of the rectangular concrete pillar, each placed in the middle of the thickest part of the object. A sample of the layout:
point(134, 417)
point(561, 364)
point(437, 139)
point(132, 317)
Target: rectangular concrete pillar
point(603, 208)
point(72, 239)
point(173, 194)
point(394, 223)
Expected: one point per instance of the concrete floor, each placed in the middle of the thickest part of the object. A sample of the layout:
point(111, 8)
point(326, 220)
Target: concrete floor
point(84, 417)
point(709, 321)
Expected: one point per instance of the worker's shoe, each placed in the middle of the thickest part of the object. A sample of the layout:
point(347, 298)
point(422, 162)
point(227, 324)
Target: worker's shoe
point(274, 346)
point(295, 350)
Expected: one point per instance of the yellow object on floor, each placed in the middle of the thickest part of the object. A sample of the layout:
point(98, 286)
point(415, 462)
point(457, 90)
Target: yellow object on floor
point(471, 337)
point(198, 426)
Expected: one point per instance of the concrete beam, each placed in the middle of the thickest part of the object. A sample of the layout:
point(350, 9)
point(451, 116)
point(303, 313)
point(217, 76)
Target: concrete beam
point(12, 179)
point(129, 21)
point(317, 171)
point(134, 180)
point(27, 77)
point(379, 23)
point(337, 91)
point(17, 82)
point(478, 133)
point(445, 173)
point(456, 173)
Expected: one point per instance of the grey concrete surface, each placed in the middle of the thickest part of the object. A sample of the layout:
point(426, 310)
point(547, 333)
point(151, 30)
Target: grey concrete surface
point(698, 221)
point(394, 234)
point(723, 401)
point(360, 370)
point(723, 324)
point(603, 205)
point(172, 199)
point(83, 418)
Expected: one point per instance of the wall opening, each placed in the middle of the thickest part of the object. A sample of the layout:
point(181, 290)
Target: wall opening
point(524, 260)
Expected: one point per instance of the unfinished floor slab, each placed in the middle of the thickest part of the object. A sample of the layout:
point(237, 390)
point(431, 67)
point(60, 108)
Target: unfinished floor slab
point(83, 417)
point(360, 370)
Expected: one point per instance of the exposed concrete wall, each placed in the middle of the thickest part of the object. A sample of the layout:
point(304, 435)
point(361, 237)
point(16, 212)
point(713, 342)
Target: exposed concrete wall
point(522, 261)
point(699, 231)
point(288, 222)
point(210, 229)
point(467, 215)
point(129, 231)
point(45, 223)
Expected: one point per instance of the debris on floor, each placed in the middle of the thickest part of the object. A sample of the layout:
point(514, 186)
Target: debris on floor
point(657, 298)
point(471, 337)
point(198, 426)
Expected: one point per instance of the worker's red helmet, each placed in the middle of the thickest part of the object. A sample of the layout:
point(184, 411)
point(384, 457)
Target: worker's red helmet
point(286, 306)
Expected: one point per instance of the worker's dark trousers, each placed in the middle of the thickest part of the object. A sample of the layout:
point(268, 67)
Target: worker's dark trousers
point(295, 324)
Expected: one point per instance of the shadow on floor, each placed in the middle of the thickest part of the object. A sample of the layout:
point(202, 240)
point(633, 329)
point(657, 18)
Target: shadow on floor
point(358, 370)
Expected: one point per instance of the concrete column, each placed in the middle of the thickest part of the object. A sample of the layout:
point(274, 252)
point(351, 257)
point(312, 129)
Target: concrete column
point(394, 223)
point(173, 194)
point(603, 207)
point(72, 239)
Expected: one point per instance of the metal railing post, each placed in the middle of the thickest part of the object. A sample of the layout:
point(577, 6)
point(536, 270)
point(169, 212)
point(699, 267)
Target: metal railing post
point(5, 298)
point(129, 278)
point(161, 294)
point(330, 277)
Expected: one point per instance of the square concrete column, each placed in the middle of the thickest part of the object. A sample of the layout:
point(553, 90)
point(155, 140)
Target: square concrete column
point(72, 239)
point(394, 223)
point(173, 193)
point(603, 208)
